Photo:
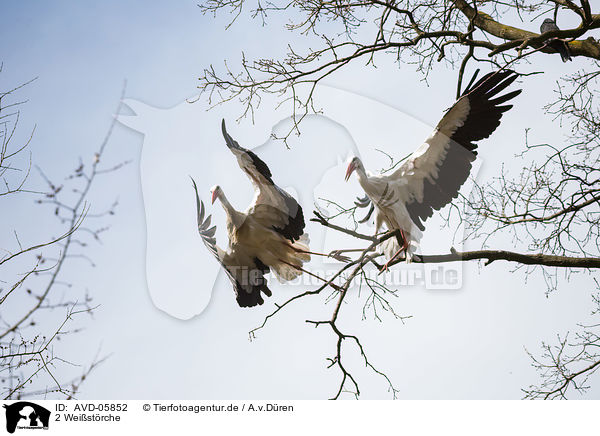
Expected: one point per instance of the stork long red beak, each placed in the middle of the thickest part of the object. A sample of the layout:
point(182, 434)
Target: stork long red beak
point(214, 196)
point(350, 170)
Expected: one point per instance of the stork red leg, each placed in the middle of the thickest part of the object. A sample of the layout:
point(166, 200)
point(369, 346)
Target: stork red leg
point(403, 248)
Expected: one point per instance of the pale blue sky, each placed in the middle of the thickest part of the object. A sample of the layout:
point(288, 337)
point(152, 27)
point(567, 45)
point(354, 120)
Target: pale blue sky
point(466, 344)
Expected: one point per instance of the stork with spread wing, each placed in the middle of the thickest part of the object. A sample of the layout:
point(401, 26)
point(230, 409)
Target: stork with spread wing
point(269, 235)
point(271, 206)
point(432, 176)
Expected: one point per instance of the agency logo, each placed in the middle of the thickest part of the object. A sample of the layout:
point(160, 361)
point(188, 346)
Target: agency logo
point(26, 415)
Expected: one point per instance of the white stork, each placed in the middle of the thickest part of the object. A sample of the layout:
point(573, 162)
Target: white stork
point(432, 176)
point(268, 235)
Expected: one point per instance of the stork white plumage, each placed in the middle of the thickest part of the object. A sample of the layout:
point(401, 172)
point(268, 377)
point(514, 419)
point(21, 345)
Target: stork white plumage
point(269, 235)
point(431, 177)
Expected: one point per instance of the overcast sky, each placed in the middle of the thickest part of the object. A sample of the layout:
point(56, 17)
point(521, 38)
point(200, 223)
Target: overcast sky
point(170, 333)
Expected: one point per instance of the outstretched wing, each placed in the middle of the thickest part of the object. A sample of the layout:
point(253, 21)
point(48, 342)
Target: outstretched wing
point(247, 274)
point(273, 207)
point(256, 169)
point(432, 176)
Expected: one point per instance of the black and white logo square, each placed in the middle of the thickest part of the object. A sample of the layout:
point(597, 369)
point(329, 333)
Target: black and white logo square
point(26, 415)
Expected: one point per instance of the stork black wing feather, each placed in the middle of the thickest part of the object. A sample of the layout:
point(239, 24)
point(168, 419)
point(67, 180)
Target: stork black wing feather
point(258, 163)
point(484, 113)
point(295, 226)
point(366, 218)
point(250, 295)
point(362, 202)
point(482, 119)
point(475, 74)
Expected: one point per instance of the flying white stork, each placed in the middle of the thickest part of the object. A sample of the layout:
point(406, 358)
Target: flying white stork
point(432, 176)
point(253, 249)
point(268, 235)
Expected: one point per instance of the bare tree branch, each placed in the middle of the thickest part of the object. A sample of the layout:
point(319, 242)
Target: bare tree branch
point(29, 355)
